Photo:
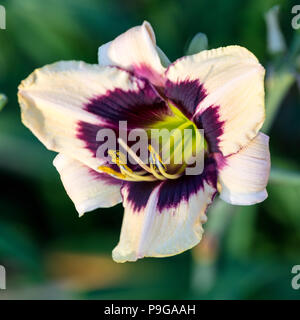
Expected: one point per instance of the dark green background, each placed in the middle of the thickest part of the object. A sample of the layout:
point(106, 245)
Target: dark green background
point(49, 252)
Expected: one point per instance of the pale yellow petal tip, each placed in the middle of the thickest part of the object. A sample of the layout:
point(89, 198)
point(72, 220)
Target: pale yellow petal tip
point(244, 199)
point(84, 208)
point(146, 23)
point(63, 65)
point(230, 50)
point(122, 258)
point(241, 49)
point(247, 54)
point(80, 211)
point(27, 81)
point(80, 214)
point(149, 30)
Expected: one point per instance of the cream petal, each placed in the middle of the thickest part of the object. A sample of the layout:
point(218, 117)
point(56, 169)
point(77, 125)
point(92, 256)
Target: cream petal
point(231, 82)
point(54, 102)
point(135, 50)
point(87, 188)
point(160, 230)
point(243, 176)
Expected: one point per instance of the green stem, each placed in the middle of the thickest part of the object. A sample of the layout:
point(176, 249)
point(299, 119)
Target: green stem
point(277, 87)
point(282, 176)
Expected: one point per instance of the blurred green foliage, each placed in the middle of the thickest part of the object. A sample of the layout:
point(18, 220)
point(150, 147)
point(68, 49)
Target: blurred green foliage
point(247, 252)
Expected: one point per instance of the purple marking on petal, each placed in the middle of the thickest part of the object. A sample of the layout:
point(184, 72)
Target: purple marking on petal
point(221, 161)
point(172, 192)
point(139, 108)
point(139, 193)
point(209, 120)
point(88, 132)
point(186, 95)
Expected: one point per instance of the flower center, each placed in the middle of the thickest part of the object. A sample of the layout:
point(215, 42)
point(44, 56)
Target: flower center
point(176, 143)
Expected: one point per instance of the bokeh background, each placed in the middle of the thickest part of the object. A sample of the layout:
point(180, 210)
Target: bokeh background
point(50, 253)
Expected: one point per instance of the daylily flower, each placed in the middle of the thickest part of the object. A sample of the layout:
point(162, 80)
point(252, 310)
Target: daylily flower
point(221, 91)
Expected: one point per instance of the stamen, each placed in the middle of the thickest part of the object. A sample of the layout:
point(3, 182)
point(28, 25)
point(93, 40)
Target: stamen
point(157, 168)
point(135, 176)
point(154, 172)
point(155, 157)
point(117, 157)
point(168, 175)
point(113, 172)
point(126, 173)
point(155, 163)
point(134, 156)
